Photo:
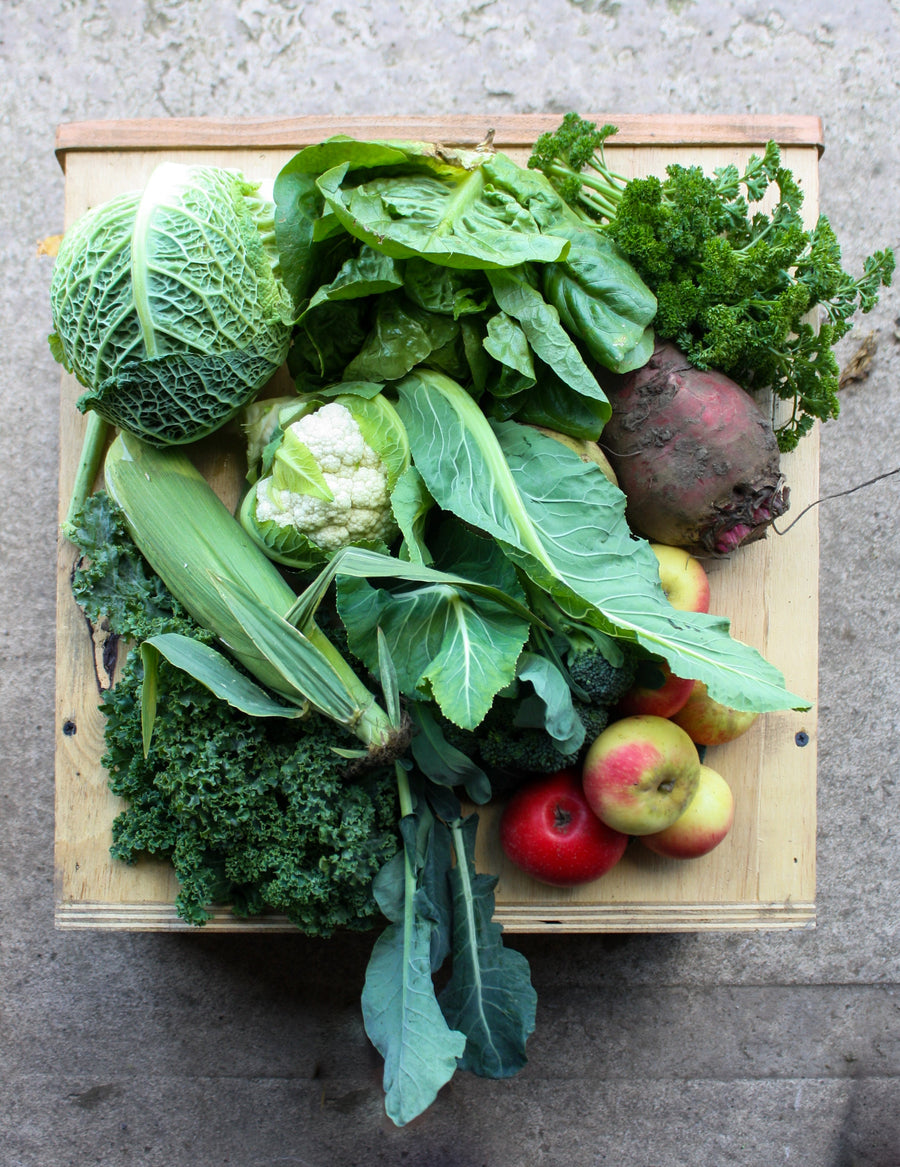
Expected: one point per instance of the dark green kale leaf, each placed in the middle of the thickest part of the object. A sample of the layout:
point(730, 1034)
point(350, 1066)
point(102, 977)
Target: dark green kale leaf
point(256, 813)
point(252, 813)
point(112, 581)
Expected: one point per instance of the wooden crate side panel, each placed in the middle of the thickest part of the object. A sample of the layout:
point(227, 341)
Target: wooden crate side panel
point(764, 871)
point(509, 131)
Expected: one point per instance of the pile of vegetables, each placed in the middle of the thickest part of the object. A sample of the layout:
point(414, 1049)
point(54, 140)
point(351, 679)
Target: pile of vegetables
point(434, 585)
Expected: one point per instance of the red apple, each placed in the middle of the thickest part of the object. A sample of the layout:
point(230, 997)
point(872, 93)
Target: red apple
point(640, 774)
point(683, 578)
point(664, 701)
point(548, 830)
point(707, 722)
point(703, 824)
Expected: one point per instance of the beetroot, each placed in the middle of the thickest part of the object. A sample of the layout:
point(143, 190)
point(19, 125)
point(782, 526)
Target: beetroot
point(695, 456)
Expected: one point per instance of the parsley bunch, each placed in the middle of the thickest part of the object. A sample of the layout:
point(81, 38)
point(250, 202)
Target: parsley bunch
point(735, 285)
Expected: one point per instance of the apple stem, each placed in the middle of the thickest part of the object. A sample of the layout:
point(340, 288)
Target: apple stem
point(561, 817)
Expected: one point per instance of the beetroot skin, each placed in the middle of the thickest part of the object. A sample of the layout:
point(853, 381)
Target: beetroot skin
point(695, 456)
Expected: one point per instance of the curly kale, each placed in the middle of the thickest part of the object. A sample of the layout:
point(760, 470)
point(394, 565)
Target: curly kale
point(256, 813)
point(252, 813)
point(733, 287)
point(113, 582)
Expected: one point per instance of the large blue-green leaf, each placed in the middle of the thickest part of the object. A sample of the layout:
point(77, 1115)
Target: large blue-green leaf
point(411, 504)
point(456, 636)
point(564, 524)
point(489, 996)
point(400, 1011)
point(446, 642)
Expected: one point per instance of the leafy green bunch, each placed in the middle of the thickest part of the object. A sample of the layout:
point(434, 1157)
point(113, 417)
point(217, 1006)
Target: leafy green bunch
point(736, 285)
point(253, 812)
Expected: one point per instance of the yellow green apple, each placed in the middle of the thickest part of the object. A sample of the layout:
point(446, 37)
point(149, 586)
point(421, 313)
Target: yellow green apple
point(640, 774)
point(683, 578)
point(702, 825)
point(707, 722)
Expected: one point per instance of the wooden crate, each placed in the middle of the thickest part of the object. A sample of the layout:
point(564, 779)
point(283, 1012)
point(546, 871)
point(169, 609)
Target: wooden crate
point(763, 875)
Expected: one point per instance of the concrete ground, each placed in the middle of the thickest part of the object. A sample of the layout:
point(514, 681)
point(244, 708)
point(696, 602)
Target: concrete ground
point(651, 1050)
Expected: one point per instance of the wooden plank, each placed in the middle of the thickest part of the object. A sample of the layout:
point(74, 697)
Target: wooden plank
point(762, 876)
point(509, 131)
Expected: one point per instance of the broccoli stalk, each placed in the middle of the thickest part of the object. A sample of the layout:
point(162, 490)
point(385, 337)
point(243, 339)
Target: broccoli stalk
point(733, 287)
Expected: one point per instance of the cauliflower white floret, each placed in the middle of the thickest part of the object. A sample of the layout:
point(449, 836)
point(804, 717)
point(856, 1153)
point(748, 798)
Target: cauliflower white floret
point(360, 510)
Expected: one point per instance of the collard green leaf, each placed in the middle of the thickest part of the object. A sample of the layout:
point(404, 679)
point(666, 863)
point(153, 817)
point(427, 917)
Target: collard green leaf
point(411, 504)
point(441, 762)
point(563, 523)
point(400, 1011)
point(489, 996)
point(446, 643)
point(557, 716)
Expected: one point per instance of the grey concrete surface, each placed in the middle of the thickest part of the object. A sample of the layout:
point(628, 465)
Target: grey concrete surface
point(650, 1051)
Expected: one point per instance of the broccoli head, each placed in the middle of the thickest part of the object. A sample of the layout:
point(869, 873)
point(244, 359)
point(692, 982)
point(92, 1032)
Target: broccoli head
point(604, 683)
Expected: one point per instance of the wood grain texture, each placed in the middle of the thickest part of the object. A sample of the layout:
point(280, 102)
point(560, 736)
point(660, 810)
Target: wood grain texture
point(762, 876)
point(509, 131)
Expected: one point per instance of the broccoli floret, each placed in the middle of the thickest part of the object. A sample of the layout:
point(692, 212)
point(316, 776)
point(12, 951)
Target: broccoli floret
point(512, 752)
point(604, 683)
point(251, 812)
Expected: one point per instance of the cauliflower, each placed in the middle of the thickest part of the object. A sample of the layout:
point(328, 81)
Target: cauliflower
point(355, 504)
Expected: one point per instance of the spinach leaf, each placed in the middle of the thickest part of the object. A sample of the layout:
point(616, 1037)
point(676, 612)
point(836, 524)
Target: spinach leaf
point(366, 274)
point(326, 340)
point(445, 289)
point(403, 336)
point(457, 219)
point(602, 300)
point(550, 402)
point(517, 294)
